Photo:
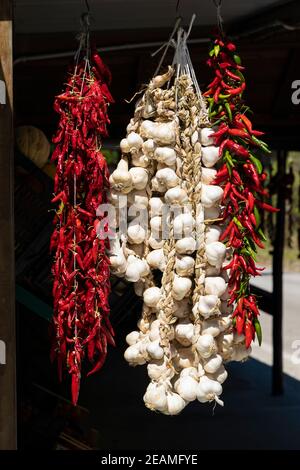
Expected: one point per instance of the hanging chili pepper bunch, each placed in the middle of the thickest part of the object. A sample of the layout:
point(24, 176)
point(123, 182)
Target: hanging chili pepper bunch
point(241, 176)
point(81, 325)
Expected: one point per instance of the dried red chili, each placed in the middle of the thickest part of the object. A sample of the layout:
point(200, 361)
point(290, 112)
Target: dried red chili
point(80, 267)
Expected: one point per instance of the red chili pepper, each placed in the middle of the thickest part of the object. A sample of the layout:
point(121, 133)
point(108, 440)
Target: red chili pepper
point(267, 207)
point(216, 95)
point(247, 122)
point(240, 306)
point(237, 177)
point(238, 90)
point(238, 133)
point(238, 194)
point(234, 201)
point(231, 47)
point(249, 334)
point(239, 325)
point(235, 148)
point(226, 232)
point(251, 202)
point(232, 75)
point(60, 196)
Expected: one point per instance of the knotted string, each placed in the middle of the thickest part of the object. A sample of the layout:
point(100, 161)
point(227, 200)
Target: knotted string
point(182, 61)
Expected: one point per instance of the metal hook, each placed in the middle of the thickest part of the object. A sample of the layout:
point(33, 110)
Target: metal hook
point(87, 5)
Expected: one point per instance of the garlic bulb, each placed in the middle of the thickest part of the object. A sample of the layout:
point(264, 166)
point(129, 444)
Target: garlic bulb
point(215, 286)
point(225, 321)
point(155, 242)
point(220, 375)
point(118, 261)
point(149, 147)
point(136, 269)
point(185, 357)
point(176, 195)
point(160, 80)
point(175, 404)
point(212, 234)
point(124, 145)
point(184, 265)
point(165, 155)
point(184, 330)
point(156, 225)
point(139, 159)
point(156, 259)
point(167, 177)
point(186, 387)
point(211, 327)
point(133, 355)
point(157, 186)
point(209, 390)
point(138, 199)
point(132, 338)
point(155, 397)
point(139, 177)
point(206, 136)
point(240, 353)
point(183, 225)
point(134, 141)
point(207, 305)
point(211, 195)
point(210, 156)
point(162, 133)
point(152, 296)
point(155, 350)
point(158, 370)
point(155, 204)
point(215, 253)
point(191, 372)
point(238, 338)
point(186, 245)
point(213, 363)
point(206, 345)
point(181, 287)
point(121, 179)
point(136, 233)
point(208, 175)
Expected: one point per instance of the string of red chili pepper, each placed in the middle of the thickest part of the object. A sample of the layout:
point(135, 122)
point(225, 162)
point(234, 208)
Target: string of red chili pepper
point(81, 325)
point(242, 178)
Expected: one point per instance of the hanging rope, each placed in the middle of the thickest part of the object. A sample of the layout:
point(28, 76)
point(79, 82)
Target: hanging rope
point(166, 46)
point(218, 5)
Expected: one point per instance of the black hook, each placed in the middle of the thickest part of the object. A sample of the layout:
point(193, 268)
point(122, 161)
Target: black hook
point(87, 5)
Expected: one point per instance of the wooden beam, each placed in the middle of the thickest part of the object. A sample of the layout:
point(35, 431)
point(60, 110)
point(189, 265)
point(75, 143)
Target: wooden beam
point(7, 289)
point(277, 372)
